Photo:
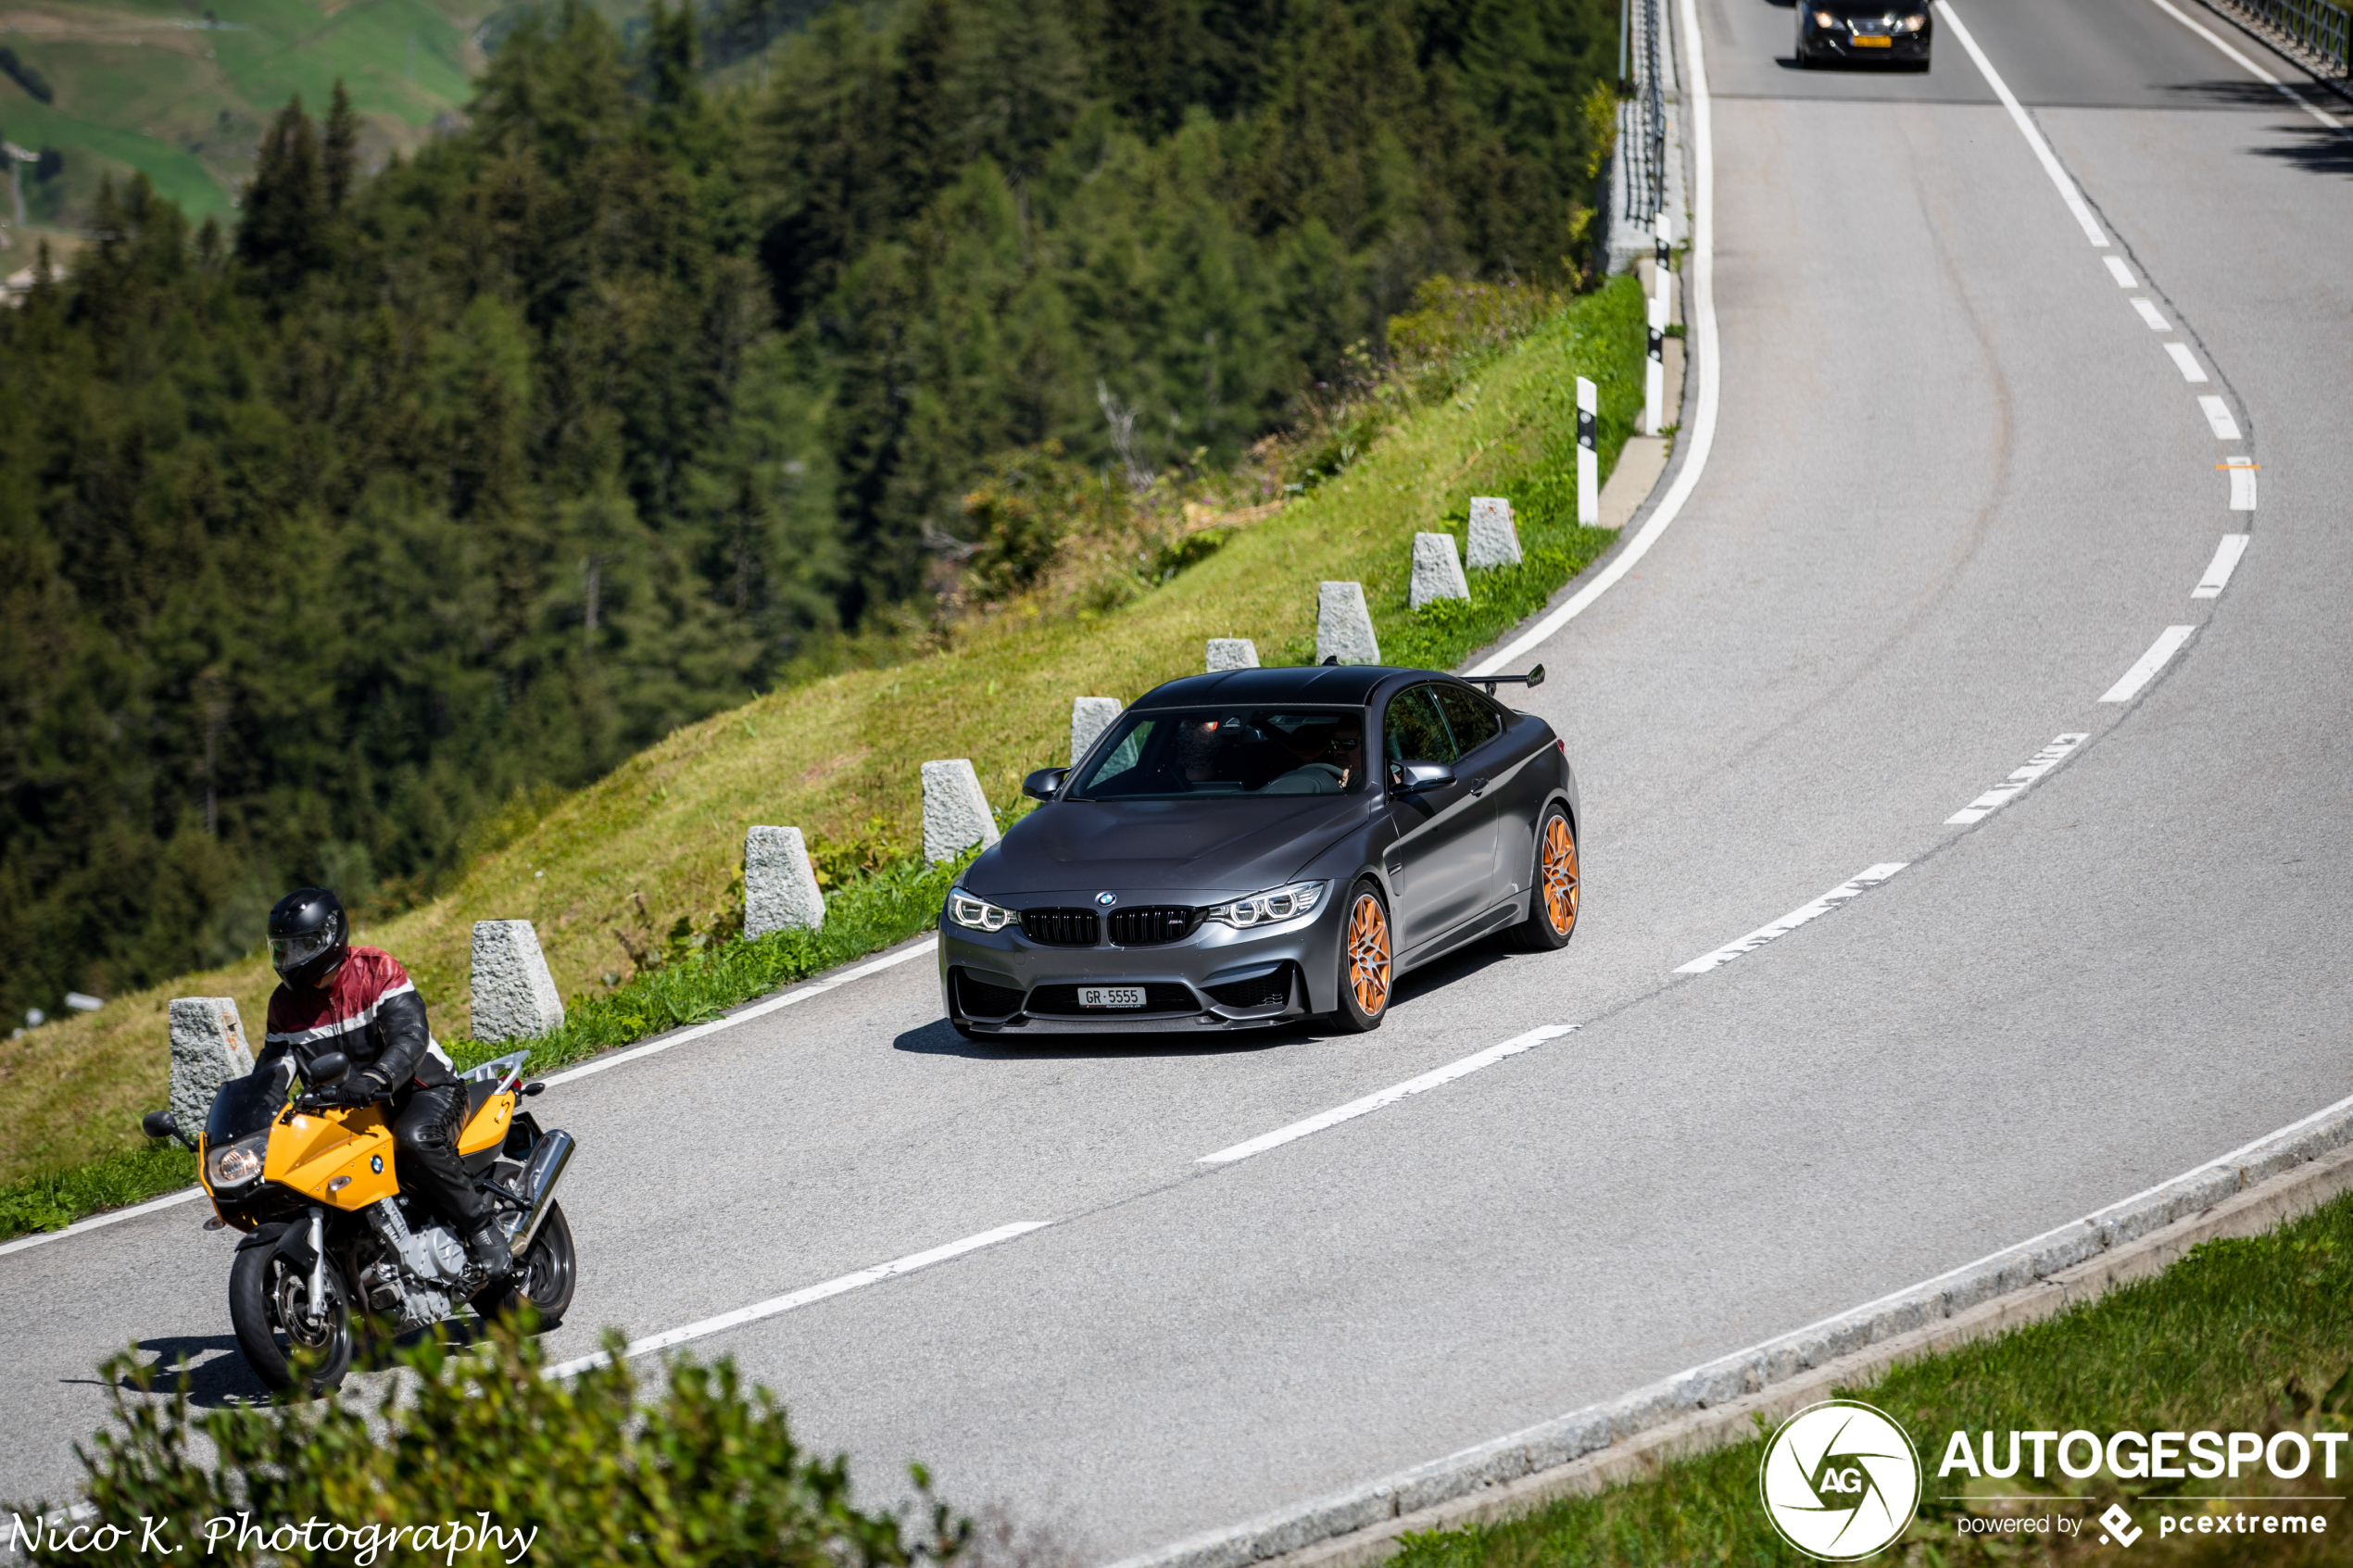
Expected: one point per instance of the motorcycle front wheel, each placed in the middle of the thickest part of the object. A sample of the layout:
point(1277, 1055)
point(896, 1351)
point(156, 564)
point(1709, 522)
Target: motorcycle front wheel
point(543, 1275)
point(270, 1310)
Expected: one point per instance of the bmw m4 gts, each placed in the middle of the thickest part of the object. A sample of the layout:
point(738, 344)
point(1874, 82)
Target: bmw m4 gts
point(1260, 847)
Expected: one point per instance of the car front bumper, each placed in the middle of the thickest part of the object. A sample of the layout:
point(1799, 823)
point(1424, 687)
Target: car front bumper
point(1216, 977)
point(1838, 43)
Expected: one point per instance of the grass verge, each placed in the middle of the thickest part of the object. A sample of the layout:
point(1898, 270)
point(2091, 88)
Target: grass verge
point(2250, 1335)
point(57, 1198)
point(604, 872)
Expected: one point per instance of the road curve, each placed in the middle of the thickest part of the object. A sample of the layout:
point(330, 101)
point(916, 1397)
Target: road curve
point(1959, 486)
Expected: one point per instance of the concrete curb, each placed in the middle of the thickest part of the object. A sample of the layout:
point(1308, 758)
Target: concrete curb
point(1710, 1405)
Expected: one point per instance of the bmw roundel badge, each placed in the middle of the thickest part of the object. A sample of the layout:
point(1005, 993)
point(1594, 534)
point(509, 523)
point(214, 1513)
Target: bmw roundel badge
point(376, 1163)
point(1107, 900)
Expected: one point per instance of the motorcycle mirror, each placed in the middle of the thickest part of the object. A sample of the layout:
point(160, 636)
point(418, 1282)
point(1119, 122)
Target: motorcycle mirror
point(533, 1088)
point(160, 1124)
point(327, 1069)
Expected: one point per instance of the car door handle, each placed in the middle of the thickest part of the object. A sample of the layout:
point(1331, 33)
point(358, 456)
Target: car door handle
point(1477, 784)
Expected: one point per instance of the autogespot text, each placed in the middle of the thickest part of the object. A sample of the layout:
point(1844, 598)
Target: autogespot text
point(2137, 1456)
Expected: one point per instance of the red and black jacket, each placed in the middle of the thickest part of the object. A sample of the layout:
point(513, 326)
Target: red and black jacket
point(371, 1013)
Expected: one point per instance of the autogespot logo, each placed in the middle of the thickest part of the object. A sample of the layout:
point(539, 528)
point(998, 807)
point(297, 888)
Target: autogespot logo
point(1840, 1480)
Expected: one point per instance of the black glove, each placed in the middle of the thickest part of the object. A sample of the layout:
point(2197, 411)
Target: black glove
point(352, 1089)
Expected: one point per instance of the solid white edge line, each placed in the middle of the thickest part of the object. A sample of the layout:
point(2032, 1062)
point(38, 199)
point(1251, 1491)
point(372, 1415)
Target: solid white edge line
point(97, 1221)
point(2043, 154)
point(2251, 68)
point(2122, 273)
point(1868, 878)
point(2218, 572)
point(2062, 746)
point(802, 1297)
point(2148, 313)
point(1391, 1096)
point(2169, 643)
point(759, 1009)
point(1700, 431)
point(2218, 417)
point(2191, 369)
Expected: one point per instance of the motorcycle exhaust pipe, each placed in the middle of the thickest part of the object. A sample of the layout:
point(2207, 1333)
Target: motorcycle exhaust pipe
point(540, 1174)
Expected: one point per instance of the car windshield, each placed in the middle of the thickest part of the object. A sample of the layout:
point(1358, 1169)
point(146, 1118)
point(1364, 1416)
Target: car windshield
point(1171, 754)
point(246, 1104)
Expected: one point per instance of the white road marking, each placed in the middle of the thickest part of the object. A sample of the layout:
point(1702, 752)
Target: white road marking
point(2148, 313)
point(814, 1293)
point(2191, 369)
point(814, 988)
point(2144, 668)
point(96, 1222)
point(2241, 483)
point(2218, 570)
point(1699, 429)
point(2010, 789)
point(2122, 273)
point(2218, 417)
point(1796, 917)
point(2293, 96)
point(2026, 128)
point(1390, 1096)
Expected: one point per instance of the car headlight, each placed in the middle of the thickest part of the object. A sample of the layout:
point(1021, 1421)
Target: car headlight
point(1280, 903)
point(235, 1164)
point(1911, 24)
point(1823, 19)
point(977, 914)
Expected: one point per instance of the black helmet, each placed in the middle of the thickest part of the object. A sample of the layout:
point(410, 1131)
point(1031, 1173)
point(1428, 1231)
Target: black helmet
point(307, 935)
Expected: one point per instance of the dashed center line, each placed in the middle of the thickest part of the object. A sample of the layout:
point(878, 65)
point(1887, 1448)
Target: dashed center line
point(2218, 417)
point(2218, 572)
point(2144, 668)
point(1858, 884)
point(2242, 471)
point(2149, 313)
point(2122, 273)
point(2010, 789)
point(2191, 369)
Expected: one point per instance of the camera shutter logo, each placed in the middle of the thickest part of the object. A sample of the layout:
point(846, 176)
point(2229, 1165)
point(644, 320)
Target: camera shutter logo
point(1840, 1480)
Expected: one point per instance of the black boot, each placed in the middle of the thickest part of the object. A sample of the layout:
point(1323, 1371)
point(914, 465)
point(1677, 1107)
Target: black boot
point(493, 1259)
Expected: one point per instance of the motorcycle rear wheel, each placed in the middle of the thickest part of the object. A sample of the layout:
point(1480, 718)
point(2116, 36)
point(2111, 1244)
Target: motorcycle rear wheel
point(544, 1275)
point(266, 1301)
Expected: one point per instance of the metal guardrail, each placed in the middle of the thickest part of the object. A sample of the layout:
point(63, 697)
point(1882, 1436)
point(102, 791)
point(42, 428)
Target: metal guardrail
point(2313, 33)
point(1643, 153)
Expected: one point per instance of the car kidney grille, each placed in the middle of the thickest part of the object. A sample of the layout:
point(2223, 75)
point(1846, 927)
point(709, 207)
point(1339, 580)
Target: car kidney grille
point(1060, 928)
point(1159, 996)
point(1147, 928)
point(981, 1000)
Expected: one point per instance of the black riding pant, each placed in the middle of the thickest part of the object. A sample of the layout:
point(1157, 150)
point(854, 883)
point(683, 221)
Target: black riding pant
point(424, 1126)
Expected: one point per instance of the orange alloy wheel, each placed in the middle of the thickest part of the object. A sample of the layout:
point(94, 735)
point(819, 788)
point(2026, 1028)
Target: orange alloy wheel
point(1560, 876)
point(1368, 954)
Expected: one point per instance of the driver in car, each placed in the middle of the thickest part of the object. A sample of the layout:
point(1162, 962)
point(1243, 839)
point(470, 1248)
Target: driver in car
point(359, 1001)
point(1326, 755)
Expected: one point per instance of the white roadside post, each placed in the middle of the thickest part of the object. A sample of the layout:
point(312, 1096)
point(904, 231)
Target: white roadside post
point(1494, 538)
point(1655, 372)
point(1232, 653)
point(514, 996)
point(207, 1049)
point(1438, 572)
point(780, 884)
point(1089, 717)
point(1588, 458)
point(1344, 626)
point(1665, 258)
point(956, 814)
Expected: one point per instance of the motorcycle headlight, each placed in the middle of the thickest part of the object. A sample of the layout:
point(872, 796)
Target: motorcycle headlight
point(1280, 903)
point(977, 914)
point(234, 1164)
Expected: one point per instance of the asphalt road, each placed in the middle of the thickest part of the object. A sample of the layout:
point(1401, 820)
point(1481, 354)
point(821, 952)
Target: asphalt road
point(1959, 486)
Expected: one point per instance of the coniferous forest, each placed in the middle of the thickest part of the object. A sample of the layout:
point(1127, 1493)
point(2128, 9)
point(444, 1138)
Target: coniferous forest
point(325, 534)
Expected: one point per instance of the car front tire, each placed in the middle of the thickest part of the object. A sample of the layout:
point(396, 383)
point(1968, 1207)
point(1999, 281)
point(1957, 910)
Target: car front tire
point(1368, 961)
point(1555, 889)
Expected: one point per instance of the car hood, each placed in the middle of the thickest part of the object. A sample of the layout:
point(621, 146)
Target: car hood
point(1184, 851)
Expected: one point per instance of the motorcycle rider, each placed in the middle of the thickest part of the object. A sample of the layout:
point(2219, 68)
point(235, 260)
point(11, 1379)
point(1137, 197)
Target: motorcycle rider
point(359, 1001)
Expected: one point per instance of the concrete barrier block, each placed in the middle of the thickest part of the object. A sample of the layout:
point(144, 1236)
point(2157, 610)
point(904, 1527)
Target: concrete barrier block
point(956, 814)
point(1494, 538)
point(1089, 717)
point(780, 885)
point(1343, 626)
point(514, 996)
point(1232, 653)
point(208, 1048)
point(1438, 572)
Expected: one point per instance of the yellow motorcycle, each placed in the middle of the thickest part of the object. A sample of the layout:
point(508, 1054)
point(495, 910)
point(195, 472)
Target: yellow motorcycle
point(331, 1238)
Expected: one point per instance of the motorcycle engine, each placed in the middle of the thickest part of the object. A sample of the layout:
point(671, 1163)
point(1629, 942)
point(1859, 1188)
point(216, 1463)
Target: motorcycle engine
point(413, 1279)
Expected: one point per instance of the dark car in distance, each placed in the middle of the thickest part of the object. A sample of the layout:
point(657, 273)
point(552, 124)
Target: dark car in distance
point(1884, 31)
point(1260, 847)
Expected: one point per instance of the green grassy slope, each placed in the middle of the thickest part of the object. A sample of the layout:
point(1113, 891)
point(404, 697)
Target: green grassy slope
point(662, 836)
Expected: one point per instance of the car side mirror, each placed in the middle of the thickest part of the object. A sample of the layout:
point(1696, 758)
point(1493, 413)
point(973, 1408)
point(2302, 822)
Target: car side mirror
point(1044, 783)
point(1413, 778)
point(160, 1124)
point(327, 1069)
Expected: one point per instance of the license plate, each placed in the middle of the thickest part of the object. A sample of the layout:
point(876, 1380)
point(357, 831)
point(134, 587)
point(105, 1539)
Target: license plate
point(1111, 996)
point(1865, 41)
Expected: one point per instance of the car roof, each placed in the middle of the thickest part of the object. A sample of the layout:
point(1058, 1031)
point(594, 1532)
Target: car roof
point(1351, 684)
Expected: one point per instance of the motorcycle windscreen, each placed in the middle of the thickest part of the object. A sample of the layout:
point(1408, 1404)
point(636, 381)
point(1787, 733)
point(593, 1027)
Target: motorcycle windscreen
point(244, 1106)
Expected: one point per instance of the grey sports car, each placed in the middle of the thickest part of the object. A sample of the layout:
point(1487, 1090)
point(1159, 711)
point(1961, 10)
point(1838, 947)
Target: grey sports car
point(1266, 845)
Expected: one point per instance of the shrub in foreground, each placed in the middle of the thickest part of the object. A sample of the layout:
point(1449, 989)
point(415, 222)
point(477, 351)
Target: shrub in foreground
point(577, 1472)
